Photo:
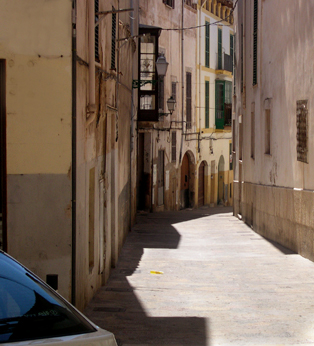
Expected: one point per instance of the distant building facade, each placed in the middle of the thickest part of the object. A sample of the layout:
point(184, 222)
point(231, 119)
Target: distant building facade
point(273, 147)
point(214, 102)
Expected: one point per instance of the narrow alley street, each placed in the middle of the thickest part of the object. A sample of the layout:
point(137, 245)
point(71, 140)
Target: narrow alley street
point(203, 277)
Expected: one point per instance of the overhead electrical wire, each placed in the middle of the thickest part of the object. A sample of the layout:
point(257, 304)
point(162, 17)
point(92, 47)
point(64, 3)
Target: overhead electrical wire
point(208, 24)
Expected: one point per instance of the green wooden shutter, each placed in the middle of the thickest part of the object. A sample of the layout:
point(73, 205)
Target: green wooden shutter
point(231, 49)
point(255, 27)
point(207, 44)
point(219, 104)
point(219, 49)
point(206, 104)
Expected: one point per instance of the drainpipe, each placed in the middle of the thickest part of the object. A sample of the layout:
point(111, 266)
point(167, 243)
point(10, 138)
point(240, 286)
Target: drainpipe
point(182, 74)
point(91, 108)
point(199, 70)
point(73, 177)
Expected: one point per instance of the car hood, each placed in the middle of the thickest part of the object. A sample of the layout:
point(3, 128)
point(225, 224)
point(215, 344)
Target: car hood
point(100, 337)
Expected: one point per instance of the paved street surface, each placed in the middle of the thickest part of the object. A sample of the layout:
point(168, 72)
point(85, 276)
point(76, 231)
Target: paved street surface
point(203, 277)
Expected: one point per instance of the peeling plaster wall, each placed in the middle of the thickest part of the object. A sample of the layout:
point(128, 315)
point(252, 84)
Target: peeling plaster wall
point(38, 78)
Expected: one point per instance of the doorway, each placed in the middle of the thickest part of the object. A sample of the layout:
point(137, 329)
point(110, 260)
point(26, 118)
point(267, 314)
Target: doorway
point(201, 184)
point(160, 177)
point(221, 179)
point(185, 167)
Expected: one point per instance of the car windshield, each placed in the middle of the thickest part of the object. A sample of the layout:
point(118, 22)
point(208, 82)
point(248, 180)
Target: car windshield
point(29, 309)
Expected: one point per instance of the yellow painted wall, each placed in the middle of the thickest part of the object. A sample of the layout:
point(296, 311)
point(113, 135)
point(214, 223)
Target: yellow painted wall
point(35, 41)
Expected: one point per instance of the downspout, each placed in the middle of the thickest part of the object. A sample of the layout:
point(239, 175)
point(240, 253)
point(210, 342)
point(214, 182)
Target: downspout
point(199, 70)
point(73, 177)
point(182, 80)
point(91, 107)
point(132, 119)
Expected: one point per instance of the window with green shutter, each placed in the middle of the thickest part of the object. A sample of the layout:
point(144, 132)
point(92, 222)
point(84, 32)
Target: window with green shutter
point(219, 49)
point(206, 104)
point(255, 27)
point(231, 49)
point(223, 104)
point(207, 44)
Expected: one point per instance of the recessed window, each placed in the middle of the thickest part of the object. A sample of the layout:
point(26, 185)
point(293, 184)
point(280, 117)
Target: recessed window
point(252, 135)
point(170, 3)
point(267, 131)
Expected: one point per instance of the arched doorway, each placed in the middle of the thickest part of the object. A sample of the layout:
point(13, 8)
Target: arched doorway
point(187, 188)
point(221, 179)
point(201, 183)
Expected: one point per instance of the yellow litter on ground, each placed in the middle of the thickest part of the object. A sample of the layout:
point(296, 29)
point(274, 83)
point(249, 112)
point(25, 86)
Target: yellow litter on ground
point(155, 272)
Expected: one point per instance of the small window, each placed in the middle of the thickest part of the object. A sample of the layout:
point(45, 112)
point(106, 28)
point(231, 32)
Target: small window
point(170, 3)
point(174, 90)
point(302, 131)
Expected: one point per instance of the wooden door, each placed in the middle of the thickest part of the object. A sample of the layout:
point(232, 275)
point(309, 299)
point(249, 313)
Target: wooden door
point(185, 182)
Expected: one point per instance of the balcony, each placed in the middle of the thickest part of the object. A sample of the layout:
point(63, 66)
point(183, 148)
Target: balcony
point(225, 63)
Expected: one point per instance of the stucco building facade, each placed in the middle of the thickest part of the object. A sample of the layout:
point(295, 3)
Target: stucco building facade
point(273, 187)
point(67, 163)
point(214, 95)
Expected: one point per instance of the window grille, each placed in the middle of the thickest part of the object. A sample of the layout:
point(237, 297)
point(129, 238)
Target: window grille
point(174, 90)
point(188, 100)
point(173, 147)
point(302, 131)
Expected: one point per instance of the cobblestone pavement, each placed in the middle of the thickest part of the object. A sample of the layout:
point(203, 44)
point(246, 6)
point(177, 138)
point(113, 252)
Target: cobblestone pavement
point(204, 278)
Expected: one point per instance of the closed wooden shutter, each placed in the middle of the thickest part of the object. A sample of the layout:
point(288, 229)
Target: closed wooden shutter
point(113, 41)
point(188, 100)
point(207, 44)
point(219, 49)
point(255, 27)
point(96, 31)
point(206, 104)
